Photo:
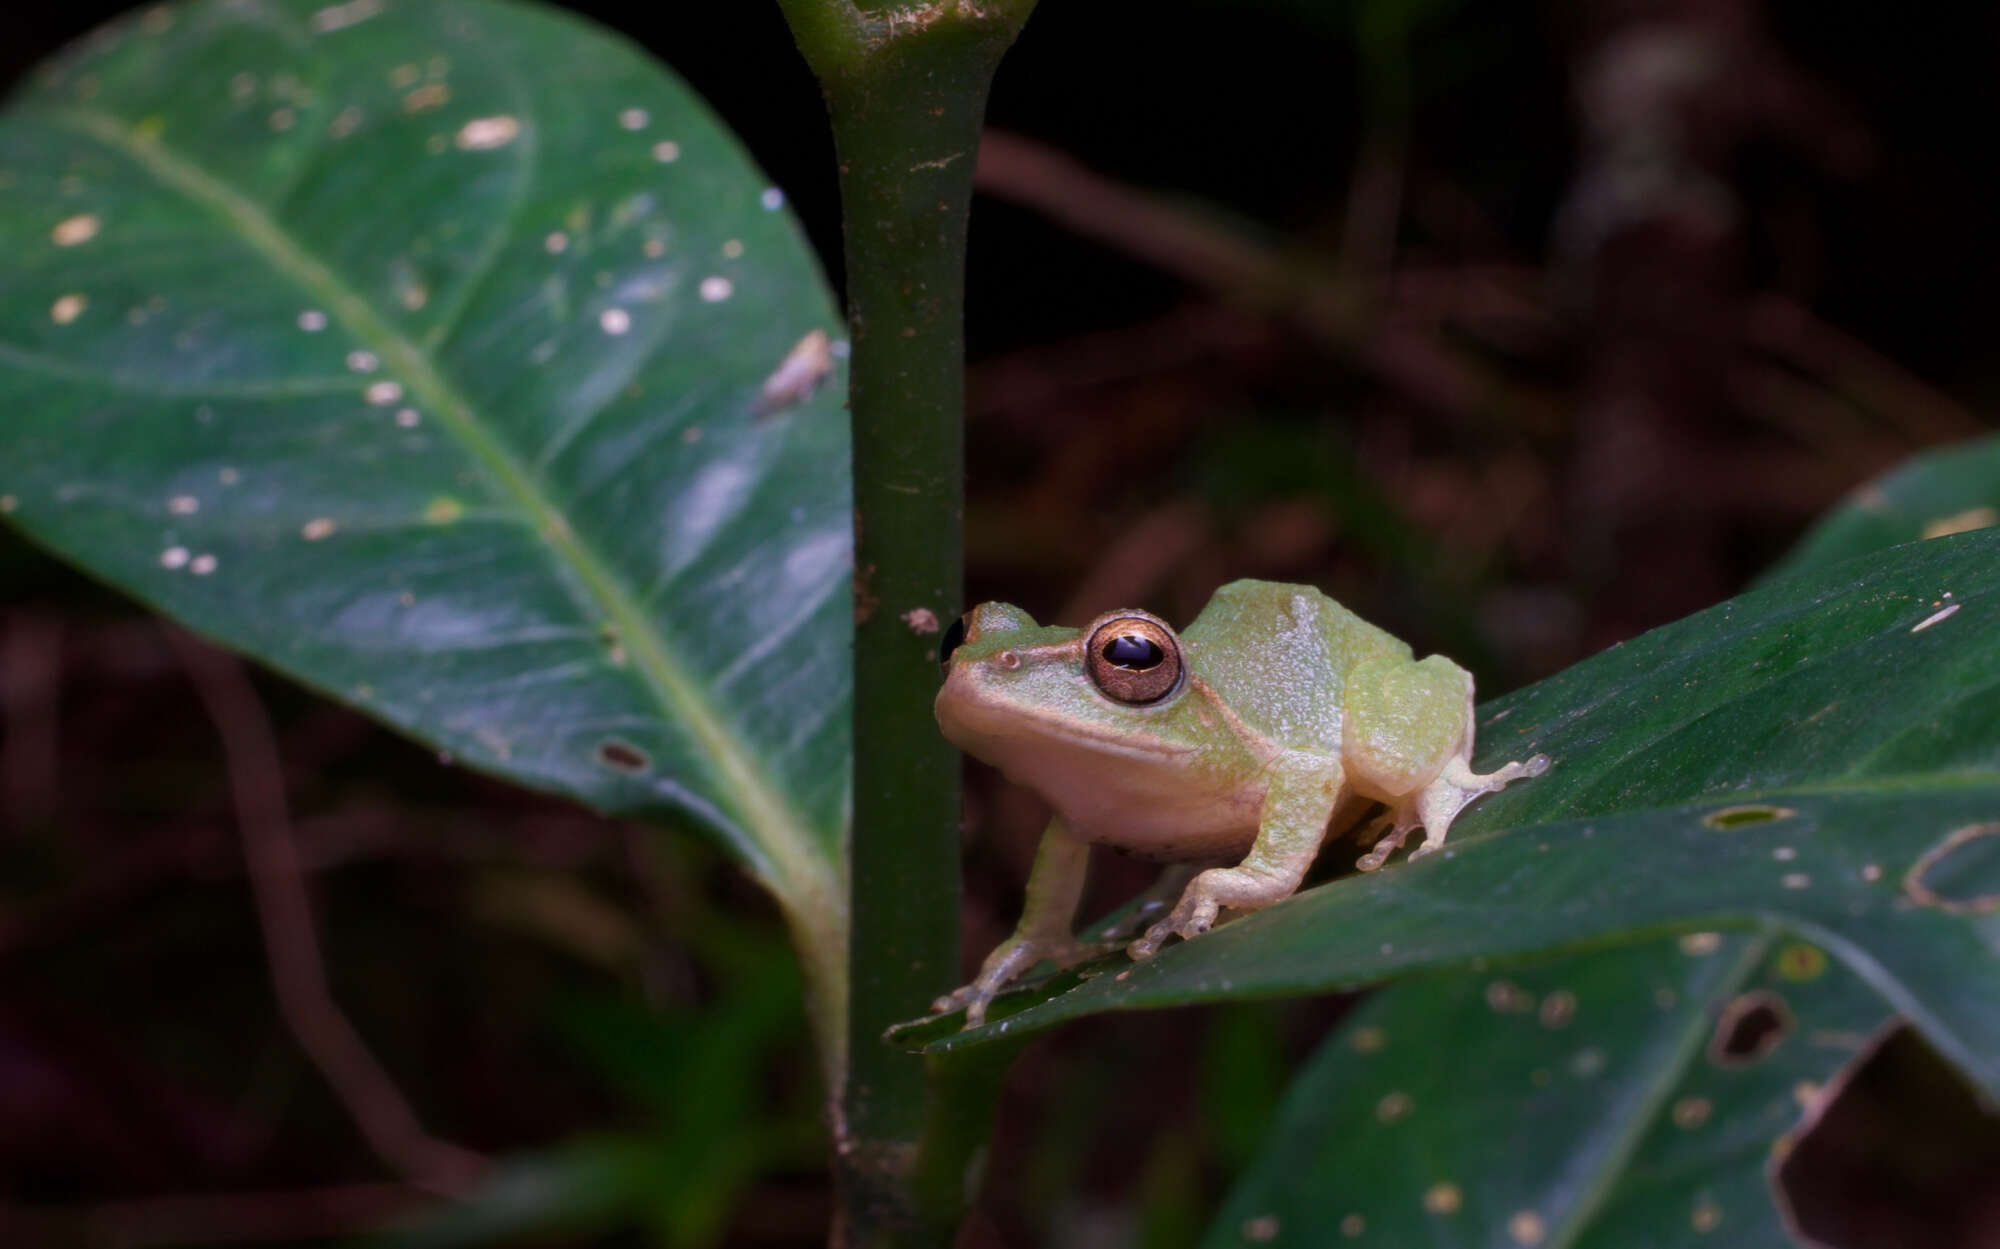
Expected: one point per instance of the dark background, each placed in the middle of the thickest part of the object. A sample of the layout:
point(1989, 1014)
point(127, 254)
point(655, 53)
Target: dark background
point(1520, 329)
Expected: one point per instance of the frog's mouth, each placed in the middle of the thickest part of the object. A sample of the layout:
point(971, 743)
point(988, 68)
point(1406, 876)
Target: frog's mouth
point(998, 729)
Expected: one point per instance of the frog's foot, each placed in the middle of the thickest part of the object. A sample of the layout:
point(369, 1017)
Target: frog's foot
point(1240, 889)
point(1437, 804)
point(1401, 822)
point(1160, 895)
point(1008, 961)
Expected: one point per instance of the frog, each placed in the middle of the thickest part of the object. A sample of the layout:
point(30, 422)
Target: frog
point(1236, 748)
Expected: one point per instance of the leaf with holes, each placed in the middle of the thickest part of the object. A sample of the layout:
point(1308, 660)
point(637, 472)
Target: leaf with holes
point(1949, 490)
point(1638, 1096)
point(1821, 757)
point(453, 358)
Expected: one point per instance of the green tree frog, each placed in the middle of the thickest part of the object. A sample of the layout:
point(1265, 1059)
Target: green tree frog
point(1278, 717)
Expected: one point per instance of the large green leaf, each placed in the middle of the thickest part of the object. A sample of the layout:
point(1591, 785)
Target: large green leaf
point(449, 355)
point(1631, 1097)
point(1948, 490)
point(1821, 758)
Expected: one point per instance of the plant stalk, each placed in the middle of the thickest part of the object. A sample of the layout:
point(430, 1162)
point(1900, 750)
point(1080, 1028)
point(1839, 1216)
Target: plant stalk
point(906, 92)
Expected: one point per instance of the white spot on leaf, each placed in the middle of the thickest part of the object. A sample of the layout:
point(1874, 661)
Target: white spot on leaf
point(183, 505)
point(1941, 614)
point(318, 527)
point(1527, 1228)
point(174, 557)
point(435, 95)
point(340, 16)
point(68, 308)
point(202, 565)
point(633, 119)
point(312, 320)
point(1443, 1197)
point(666, 152)
point(485, 133)
point(1701, 944)
point(363, 361)
point(716, 289)
point(383, 393)
point(614, 320)
point(78, 229)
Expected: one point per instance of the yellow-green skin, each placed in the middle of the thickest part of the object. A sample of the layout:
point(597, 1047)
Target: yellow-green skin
point(1292, 716)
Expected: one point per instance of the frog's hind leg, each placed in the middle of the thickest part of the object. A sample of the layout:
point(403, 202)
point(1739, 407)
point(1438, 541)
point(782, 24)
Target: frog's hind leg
point(1408, 738)
point(1437, 804)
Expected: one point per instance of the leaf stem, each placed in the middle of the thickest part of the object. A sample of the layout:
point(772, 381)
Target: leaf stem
point(906, 92)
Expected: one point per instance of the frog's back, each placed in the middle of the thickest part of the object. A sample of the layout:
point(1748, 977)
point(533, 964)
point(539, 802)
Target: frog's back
point(1279, 655)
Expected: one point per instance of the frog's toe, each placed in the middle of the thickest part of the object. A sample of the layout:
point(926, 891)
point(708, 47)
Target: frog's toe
point(1195, 915)
point(1149, 945)
point(975, 1010)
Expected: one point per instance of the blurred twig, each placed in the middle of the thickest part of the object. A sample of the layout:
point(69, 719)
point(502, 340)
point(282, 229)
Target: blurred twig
point(1856, 372)
point(1266, 278)
point(284, 914)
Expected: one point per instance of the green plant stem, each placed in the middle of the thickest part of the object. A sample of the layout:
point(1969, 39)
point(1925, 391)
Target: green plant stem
point(906, 93)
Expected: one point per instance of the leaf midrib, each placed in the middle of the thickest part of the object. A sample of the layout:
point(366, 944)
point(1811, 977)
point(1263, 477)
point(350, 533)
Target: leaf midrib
point(798, 870)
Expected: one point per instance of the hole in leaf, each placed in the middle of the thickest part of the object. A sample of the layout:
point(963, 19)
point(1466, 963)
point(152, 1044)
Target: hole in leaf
point(1749, 813)
point(1898, 1152)
point(1961, 874)
point(1750, 1027)
point(622, 756)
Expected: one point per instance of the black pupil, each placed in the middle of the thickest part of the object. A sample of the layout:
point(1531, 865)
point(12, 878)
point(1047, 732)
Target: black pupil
point(953, 637)
point(1133, 652)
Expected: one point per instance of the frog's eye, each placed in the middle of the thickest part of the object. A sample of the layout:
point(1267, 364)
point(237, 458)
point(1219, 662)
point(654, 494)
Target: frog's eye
point(954, 637)
point(1133, 659)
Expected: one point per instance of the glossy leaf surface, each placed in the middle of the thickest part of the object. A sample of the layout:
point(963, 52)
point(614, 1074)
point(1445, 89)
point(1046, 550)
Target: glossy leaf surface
point(451, 357)
point(1948, 490)
point(1631, 1097)
point(1819, 758)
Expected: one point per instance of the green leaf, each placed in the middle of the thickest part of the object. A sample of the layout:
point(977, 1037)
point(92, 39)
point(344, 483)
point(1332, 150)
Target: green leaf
point(1624, 1097)
point(1949, 490)
point(1821, 757)
point(435, 353)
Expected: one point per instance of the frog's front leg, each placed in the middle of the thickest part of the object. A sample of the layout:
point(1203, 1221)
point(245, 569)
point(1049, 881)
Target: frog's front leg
point(1055, 884)
point(1297, 805)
